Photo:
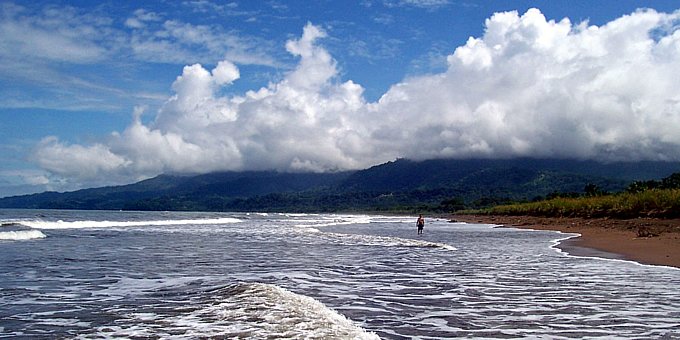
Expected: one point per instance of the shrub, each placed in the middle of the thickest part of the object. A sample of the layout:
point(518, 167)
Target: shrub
point(663, 203)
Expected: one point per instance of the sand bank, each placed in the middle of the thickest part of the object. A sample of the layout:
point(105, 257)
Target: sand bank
point(604, 237)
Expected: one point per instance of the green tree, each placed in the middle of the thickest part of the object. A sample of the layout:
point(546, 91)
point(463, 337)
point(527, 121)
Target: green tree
point(592, 190)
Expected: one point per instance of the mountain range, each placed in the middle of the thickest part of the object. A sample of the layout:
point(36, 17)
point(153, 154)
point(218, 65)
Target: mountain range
point(401, 185)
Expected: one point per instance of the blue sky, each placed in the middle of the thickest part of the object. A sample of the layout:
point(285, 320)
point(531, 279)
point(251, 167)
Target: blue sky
point(103, 93)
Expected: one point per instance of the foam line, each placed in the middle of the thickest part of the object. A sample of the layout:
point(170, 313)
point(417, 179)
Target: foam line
point(557, 242)
point(106, 224)
point(386, 241)
point(347, 220)
point(372, 240)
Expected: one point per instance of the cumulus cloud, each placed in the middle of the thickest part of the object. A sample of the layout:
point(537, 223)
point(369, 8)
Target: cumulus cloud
point(69, 160)
point(532, 87)
point(296, 124)
point(527, 87)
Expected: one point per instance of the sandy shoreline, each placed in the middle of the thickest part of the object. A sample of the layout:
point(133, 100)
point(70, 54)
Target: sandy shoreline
point(601, 237)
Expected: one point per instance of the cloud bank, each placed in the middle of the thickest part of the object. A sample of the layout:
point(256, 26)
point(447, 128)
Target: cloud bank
point(527, 87)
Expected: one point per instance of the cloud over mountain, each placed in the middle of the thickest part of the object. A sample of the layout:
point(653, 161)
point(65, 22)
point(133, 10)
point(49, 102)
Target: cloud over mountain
point(531, 87)
point(527, 87)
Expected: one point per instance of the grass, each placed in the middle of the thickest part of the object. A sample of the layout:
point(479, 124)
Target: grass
point(660, 203)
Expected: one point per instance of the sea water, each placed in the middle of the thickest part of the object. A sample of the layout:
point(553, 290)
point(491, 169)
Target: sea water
point(93, 274)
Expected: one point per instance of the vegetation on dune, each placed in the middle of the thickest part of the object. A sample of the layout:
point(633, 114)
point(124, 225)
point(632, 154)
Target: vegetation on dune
point(663, 203)
point(659, 199)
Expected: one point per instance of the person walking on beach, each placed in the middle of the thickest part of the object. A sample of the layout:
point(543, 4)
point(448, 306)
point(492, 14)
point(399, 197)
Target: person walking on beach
point(420, 224)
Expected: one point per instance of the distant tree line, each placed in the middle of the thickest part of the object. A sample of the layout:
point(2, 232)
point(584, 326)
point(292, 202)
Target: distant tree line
point(590, 190)
point(670, 182)
point(658, 199)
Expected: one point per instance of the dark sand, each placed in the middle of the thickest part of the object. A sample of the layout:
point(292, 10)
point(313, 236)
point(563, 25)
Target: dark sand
point(602, 237)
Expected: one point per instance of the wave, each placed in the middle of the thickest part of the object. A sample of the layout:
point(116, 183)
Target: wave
point(21, 235)
point(38, 224)
point(264, 310)
point(237, 311)
point(367, 240)
point(14, 232)
point(388, 241)
point(334, 221)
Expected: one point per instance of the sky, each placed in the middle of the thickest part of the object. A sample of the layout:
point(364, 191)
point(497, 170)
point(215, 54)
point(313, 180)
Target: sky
point(113, 92)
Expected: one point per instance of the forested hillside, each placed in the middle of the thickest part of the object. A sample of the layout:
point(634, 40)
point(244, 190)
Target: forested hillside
point(402, 185)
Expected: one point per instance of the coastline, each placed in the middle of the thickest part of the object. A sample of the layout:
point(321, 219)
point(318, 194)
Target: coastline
point(603, 237)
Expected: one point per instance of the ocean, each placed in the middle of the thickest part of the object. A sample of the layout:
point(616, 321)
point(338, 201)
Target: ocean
point(180, 275)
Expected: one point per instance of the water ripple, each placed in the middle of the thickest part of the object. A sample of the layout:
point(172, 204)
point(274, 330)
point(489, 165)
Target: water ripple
point(321, 276)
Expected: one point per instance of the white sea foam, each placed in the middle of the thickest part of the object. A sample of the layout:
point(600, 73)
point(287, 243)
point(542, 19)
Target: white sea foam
point(384, 241)
point(243, 311)
point(334, 221)
point(129, 287)
point(39, 224)
point(555, 244)
point(367, 240)
point(21, 235)
point(260, 310)
point(341, 282)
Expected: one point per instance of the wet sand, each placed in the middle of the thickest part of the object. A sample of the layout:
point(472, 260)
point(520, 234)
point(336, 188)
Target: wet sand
point(602, 237)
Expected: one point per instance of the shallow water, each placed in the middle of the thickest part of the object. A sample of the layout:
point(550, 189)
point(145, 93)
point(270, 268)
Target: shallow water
point(193, 275)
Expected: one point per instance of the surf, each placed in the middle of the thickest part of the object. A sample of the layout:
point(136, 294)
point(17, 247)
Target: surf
point(12, 231)
point(244, 310)
point(20, 235)
point(262, 310)
point(59, 224)
point(385, 241)
point(317, 226)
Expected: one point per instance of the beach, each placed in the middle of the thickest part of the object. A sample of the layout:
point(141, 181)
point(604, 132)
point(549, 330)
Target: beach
point(603, 237)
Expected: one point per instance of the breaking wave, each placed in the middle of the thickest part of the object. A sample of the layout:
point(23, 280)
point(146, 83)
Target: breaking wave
point(37, 224)
point(263, 310)
point(21, 235)
point(13, 231)
point(242, 311)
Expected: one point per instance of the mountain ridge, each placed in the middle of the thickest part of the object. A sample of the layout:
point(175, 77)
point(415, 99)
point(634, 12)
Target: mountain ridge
point(397, 185)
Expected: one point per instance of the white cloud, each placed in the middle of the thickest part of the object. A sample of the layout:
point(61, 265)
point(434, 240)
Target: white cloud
point(26, 176)
point(56, 57)
point(527, 87)
point(59, 35)
point(24, 181)
point(384, 19)
point(174, 41)
point(46, 51)
point(225, 73)
point(208, 7)
point(84, 162)
point(291, 125)
point(532, 87)
point(429, 4)
point(140, 18)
